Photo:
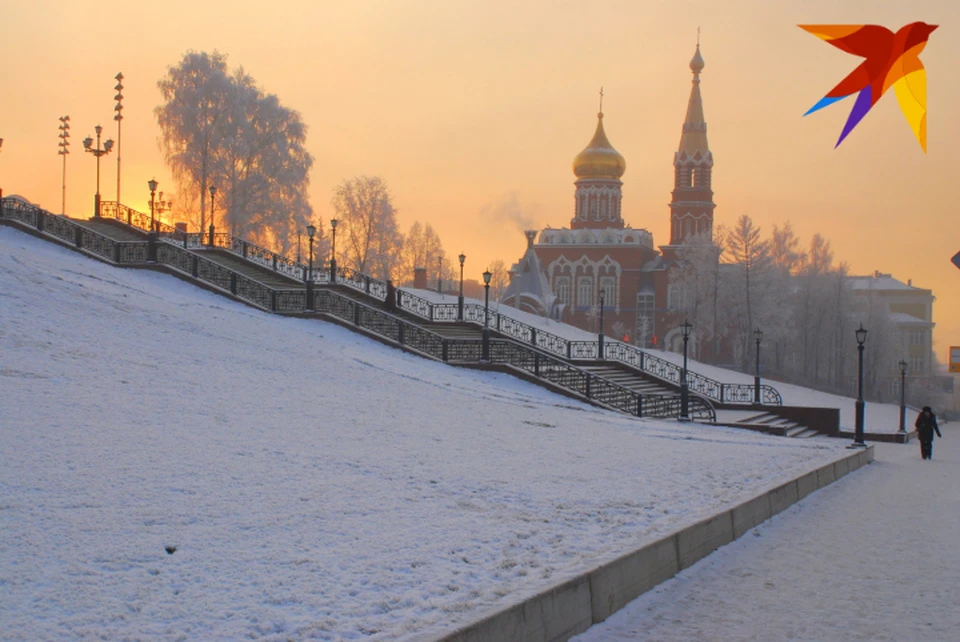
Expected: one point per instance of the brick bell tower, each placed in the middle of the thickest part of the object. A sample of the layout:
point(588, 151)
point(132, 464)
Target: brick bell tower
point(691, 207)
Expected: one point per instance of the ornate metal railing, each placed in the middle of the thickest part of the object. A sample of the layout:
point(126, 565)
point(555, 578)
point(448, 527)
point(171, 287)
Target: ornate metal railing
point(434, 312)
point(526, 358)
point(510, 353)
point(726, 393)
point(139, 220)
point(80, 236)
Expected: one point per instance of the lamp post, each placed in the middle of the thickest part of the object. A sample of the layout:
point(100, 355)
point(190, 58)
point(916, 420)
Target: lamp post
point(311, 230)
point(600, 335)
point(858, 433)
point(152, 184)
point(333, 252)
point(64, 146)
point(213, 196)
point(439, 268)
point(903, 407)
point(486, 316)
point(163, 205)
point(152, 246)
point(462, 257)
point(97, 152)
point(758, 335)
point(118, 117)
point(686, 327)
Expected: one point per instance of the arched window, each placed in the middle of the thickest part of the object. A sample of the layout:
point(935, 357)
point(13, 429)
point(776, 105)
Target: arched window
point(562, 288)
point(693, 176)
point(585, 291)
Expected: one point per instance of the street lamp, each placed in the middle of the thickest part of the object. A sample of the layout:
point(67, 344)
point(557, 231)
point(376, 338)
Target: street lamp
point(97, 152)
point(858, 434)
point(758, 335)
point(213, 196)
point(486, 316)
point(311, 230)
point(152, 184)
point(64, 146)
point(163, 205)
point(684, 388)
point(903, 386)
point(118, 117)
point(462, 257)
point(152, 246)
point(600, 336)
point(439, 268)
point(333, 251)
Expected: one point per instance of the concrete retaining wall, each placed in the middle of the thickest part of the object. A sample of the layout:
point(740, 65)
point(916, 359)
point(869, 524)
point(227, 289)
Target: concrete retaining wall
point(571, 608)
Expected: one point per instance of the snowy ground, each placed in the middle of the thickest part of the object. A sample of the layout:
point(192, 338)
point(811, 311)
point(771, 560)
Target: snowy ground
point(315, 484)
point(873, 557)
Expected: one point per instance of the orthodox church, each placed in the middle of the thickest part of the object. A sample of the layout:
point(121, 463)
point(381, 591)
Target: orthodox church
point(567, 274)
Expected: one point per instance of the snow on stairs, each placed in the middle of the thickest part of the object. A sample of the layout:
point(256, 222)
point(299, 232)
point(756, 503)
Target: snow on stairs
point(251, 270)
point(772, 423)
point(112, 229)
point(630, 379)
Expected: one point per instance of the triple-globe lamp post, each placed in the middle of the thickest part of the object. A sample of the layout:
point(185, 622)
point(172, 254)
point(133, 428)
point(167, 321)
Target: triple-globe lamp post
point(97, 151)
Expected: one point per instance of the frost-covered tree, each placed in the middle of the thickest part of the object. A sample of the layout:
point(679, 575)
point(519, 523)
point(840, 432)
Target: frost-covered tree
point(368, 223)
point(421, 247)
point(219, 129)
point(499, 280)
point(192, 120)
point(751, 255)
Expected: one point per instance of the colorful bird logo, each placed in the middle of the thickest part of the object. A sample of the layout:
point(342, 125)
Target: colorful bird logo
point(891, 59)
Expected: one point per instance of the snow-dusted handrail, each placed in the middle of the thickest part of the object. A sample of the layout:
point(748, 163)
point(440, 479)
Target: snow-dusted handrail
point(573, 350)
point(613, 350)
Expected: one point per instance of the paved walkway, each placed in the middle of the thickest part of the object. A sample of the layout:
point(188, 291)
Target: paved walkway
point(875, 556)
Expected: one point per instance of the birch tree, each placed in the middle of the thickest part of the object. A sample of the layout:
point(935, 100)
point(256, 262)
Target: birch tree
point(368, 223)
point(218, 129)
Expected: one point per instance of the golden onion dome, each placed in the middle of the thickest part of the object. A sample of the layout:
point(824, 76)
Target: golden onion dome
point(599, 159)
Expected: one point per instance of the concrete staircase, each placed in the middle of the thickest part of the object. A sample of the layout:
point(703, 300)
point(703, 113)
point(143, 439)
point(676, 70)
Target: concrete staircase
point(250, 269)
point(768, 422)
point(629, 378)
point(113, 229)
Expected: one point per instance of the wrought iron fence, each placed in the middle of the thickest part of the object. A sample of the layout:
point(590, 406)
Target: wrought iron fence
point(523, 356)
point(82, 237)
point(139, 220)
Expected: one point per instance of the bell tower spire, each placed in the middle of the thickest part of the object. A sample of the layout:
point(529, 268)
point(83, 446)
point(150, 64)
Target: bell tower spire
point(691, 207)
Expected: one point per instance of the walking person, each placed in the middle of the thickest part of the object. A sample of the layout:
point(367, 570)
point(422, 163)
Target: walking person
point(926, 425)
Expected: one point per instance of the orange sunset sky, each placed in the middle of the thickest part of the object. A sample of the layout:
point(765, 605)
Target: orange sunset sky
point(468, 108)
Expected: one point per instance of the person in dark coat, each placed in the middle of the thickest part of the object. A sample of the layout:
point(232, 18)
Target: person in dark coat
point(927, 425)
point(391, 296)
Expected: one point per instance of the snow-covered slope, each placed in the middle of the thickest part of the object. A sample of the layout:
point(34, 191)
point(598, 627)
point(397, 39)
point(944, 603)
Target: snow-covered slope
point(314, 483)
